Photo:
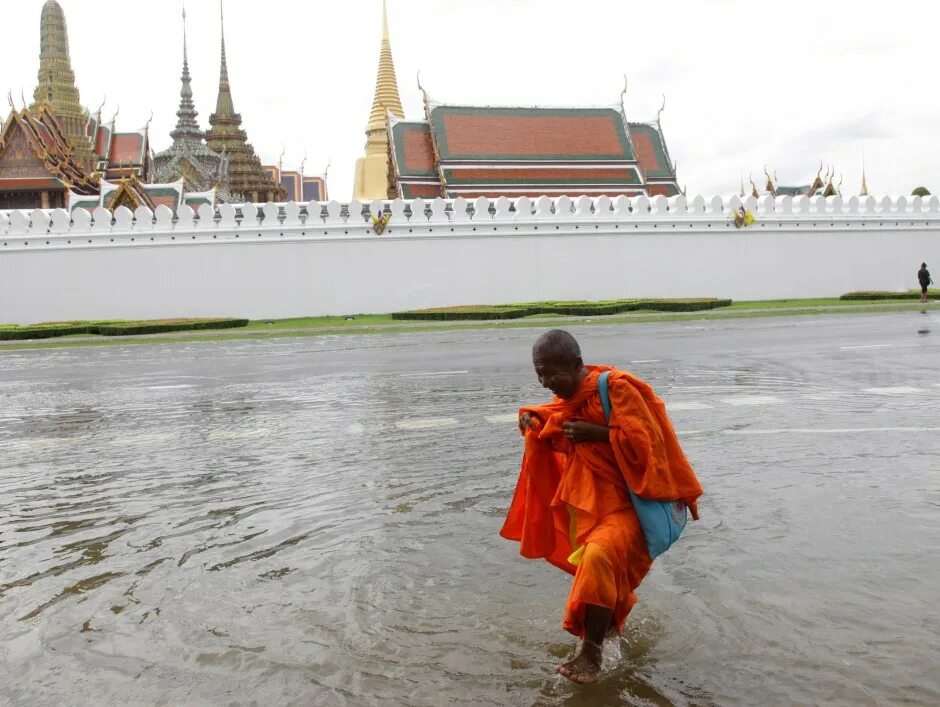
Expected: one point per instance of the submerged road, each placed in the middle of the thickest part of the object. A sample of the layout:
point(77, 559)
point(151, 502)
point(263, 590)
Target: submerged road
point(315, 520)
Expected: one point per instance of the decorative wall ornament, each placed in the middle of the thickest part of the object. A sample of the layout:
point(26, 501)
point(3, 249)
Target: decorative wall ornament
point(743, 218)
point(380, 222)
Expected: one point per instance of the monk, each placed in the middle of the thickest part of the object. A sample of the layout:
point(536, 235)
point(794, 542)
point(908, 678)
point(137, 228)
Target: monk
point(572, 506)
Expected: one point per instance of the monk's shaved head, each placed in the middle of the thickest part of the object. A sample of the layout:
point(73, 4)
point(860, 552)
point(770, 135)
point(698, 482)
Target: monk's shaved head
point(557, 345)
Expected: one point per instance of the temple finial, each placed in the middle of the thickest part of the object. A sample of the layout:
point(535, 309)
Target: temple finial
point(104, 99)
point(623, 93)
point(424, 94)
point(187, 127)
point(386, 85)
point(223, 74)
point(864, 190)
point(280, 159)
point(302, 163)
point(659, 113)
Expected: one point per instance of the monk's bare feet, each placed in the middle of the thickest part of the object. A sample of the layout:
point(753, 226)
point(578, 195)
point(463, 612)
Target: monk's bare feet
point(585, 667)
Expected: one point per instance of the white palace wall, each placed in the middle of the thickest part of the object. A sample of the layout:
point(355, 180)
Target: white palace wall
point(291, 260)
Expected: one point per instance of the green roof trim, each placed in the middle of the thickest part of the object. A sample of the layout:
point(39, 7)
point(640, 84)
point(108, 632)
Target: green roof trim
point(663, 170)
point(160, 191)
point(399, 130)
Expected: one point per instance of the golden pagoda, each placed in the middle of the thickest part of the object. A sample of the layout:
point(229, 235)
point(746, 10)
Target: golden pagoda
point(372, 170)
point(247, 179)
point(56, 83)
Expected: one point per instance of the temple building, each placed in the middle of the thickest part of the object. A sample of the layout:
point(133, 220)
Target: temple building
point(372, 170)
point(296, 185)
point(56, 155)
point(247, 179)
point(56, 87)
point(189, 158)
point(98, 148)
point(512, 151)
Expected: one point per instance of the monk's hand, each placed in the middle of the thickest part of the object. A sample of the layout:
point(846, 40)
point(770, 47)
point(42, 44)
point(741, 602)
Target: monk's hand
point(581, 431)
point(526, 422)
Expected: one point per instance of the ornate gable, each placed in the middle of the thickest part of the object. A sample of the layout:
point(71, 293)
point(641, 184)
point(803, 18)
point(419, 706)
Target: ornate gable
point(18, 159)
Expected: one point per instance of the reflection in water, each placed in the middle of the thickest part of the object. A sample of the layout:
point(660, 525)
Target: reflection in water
point(279, 538)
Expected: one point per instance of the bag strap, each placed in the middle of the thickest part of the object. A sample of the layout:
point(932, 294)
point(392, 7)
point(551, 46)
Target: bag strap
point(605, 394)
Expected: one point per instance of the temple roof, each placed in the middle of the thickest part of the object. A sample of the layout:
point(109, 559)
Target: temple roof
point(412, 149)
point(119, 154)
point(819, 186)
point(559, 134)
point(132, 193)
point(477, 150)
point(650, 148)
point(34, 147)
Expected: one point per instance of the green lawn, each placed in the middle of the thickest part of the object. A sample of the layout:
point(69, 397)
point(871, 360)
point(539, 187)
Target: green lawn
point(383, 323)
point(353, 320)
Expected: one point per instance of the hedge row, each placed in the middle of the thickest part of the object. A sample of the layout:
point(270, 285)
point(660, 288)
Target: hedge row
point(588, 309)
point(910, 294)
point(48, 330)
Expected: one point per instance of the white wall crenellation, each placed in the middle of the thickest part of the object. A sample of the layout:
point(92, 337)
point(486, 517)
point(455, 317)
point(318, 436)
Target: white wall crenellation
point(299, 259)
point(326, 218)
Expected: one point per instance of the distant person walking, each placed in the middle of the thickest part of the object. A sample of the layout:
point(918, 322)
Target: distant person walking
point(923, 277)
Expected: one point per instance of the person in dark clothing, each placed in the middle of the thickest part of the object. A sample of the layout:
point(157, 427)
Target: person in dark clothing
point(923, 277)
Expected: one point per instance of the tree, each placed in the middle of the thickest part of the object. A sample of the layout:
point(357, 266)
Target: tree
point(920, 191)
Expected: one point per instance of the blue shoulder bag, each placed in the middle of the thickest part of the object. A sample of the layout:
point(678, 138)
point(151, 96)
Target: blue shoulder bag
point(662, 521)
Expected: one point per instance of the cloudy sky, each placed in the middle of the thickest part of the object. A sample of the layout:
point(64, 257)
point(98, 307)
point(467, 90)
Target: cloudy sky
point(789, 84)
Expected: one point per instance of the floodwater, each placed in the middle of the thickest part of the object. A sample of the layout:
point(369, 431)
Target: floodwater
point(314, 521)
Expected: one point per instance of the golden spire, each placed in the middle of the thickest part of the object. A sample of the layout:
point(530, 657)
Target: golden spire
point(372, 169)
point(386, 84)
point(55, 83)
point(864, 191)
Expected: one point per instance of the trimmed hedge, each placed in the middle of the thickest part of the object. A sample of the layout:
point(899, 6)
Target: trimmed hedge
point(580, 309)
point(877, 295)
point(48, 330)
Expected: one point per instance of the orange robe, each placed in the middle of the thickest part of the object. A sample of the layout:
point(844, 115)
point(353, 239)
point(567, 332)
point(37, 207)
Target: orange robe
point(574, 496)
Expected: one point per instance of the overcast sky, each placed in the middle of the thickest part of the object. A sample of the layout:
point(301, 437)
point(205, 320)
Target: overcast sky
point(746, 82)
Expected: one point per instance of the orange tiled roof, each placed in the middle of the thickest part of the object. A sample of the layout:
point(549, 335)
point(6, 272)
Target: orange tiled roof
point(530, 133)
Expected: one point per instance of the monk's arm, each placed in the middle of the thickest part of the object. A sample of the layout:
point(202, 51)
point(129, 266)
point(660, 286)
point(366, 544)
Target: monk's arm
point(581, 431)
